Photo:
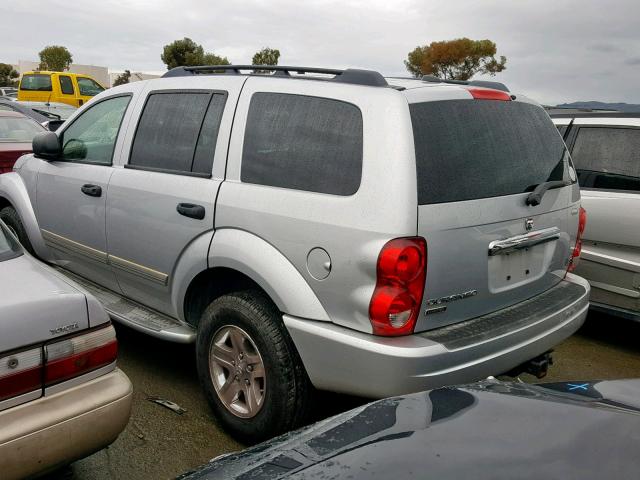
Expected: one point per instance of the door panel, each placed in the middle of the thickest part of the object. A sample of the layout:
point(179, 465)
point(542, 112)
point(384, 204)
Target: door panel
point(73, 223)
point(146, 233)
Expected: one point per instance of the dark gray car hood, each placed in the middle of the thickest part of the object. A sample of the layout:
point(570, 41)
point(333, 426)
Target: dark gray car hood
point(487, 430)
point(34, 301)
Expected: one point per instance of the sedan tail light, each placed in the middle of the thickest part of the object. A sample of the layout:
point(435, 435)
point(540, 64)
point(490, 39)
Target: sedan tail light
point(401, 271)
point(575, 255)
point(20, 373)
point(75, 356)
point(37, 368)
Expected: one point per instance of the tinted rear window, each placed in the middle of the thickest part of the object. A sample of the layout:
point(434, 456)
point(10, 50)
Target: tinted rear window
point(36, 82)
point(608, 158)
point(304, 143)
point(469, 149)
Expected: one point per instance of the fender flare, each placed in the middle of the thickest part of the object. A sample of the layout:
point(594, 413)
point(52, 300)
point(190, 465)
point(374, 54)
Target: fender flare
point(13, 189)
point(269, 268)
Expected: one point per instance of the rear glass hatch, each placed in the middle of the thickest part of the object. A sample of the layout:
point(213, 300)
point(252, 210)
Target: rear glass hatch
point(477, 162)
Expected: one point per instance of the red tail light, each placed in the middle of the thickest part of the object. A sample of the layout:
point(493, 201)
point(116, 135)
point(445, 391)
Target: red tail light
point(489, 94)
point(20, 373)
point(78, 355)
point(575, 255)
point(34, 369)
point(401, 272)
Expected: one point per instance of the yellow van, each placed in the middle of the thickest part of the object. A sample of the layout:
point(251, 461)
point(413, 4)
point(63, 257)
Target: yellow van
point(65, 87)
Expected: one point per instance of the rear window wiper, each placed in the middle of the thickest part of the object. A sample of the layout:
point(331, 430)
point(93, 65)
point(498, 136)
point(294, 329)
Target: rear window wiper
point(535, 197)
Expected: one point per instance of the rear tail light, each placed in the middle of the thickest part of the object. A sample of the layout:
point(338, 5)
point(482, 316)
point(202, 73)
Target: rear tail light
point(489, 94)
point(575, 255)
point(78, 355)
point(20, 373)
point(34, 369)
point(401, 271)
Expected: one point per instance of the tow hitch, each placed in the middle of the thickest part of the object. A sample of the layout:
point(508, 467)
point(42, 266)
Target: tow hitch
point(537, 367)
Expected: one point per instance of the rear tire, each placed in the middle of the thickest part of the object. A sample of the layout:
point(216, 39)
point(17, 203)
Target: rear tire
point(11, 218)
point(247, 359)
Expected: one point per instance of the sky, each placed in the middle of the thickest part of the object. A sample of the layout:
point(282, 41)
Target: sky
point(557, 50)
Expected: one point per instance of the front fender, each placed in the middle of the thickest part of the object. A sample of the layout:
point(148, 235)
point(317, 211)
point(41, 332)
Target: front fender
point(13, 189)
point(265, 265)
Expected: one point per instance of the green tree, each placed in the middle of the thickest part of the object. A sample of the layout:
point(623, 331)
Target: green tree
point(266, 56)
point(8, 76)
point(55, 58)
point(182, 53)
point(123, 78)
point(458, 59)
point(213, 59)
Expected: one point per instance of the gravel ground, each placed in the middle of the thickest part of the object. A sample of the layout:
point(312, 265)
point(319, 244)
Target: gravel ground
point(159, 443)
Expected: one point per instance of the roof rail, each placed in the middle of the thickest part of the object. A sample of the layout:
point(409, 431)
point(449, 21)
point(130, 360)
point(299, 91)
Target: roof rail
point(475, 83)
point(350, 75)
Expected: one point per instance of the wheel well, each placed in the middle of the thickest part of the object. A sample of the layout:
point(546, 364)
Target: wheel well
point(4, 203)
point(211, 284)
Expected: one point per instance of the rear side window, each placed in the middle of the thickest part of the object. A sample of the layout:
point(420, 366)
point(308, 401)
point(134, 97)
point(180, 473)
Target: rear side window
point(66, 85)
point(36, 82)
point(469, 149)
point(608, 158)
point(178, 131)
point(303, 143)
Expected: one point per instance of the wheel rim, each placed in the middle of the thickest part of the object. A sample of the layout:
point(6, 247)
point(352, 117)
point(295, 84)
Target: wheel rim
point(237, 371)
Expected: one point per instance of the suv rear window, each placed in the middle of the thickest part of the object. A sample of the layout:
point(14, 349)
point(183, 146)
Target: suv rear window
point(608, 158)
point(469, 149)
point(303, 143)
point(36, 82)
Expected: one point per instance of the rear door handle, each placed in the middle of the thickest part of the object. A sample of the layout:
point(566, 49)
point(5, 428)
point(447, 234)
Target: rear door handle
point(191, 210)
point(92, 190)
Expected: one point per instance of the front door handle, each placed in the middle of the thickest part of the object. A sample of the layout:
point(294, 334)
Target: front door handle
point(92, 190)
point(191, 210)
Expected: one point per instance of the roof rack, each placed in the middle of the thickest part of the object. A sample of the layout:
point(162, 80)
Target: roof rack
point(475, 83)
point(350, 75)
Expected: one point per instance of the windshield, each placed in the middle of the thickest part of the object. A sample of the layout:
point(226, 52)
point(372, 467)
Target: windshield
point(36, 82)
point(9, 248)
point(89, 87)
point(18, 129)
point(469, 149)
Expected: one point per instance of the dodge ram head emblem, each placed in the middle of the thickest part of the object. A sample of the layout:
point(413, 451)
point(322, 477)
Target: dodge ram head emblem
point(528, 224)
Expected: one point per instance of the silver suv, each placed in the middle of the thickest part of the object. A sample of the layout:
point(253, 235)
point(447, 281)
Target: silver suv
point(313, 227)
point(605, 147)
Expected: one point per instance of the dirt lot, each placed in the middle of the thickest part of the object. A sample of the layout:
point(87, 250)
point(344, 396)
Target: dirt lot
point(159, 443)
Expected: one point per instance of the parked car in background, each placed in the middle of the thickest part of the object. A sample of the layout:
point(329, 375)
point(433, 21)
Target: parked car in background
point(61, 395)
point(8, 91)
point(48, 114)
point(485, 431)
point(605, 148)
point(64, 87)
point(16, 133)
point(283, 222)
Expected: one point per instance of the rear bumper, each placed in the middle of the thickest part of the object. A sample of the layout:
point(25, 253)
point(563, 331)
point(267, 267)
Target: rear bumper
point(342, 360)
point(58, 429)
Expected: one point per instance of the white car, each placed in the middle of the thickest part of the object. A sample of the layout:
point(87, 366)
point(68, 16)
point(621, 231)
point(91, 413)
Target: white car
point(605, 148)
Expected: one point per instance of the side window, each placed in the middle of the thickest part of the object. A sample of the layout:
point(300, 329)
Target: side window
point(92, 136)
point(608, 158)
point(89, 87)
point(562, 129)
point(303, 143)
point(177, 132)
point(66, 85)
point(36, 82)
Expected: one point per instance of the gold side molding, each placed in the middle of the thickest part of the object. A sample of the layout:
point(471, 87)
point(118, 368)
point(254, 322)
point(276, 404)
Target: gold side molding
point(54, 240)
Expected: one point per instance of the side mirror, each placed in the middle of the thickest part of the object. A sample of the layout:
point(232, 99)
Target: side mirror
point(46, 145)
